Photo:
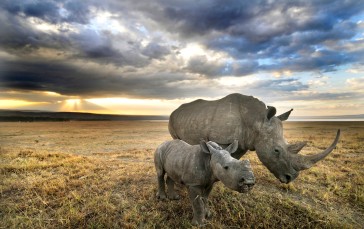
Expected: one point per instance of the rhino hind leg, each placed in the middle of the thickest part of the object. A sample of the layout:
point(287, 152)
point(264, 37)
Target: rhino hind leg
point(161, 194)
point(171, 191)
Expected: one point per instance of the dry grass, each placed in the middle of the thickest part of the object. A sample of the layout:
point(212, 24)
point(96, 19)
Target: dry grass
point(101, 175)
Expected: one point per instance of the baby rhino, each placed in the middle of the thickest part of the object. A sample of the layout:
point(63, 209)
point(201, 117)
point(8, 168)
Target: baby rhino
point(199, 167)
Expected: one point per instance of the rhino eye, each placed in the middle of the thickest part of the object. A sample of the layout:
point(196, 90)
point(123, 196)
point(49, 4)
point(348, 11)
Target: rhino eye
point(226, 167)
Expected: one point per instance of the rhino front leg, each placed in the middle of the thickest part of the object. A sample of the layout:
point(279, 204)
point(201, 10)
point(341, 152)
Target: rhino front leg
point(171, 192)
point(205, 195)
point(196, 199)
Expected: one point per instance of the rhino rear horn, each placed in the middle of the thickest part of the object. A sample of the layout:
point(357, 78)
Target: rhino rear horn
point(305, 162)
point(284, 116)
point(296, 147)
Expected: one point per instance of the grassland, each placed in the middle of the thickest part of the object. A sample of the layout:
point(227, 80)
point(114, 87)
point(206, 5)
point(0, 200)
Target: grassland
point(101, 175)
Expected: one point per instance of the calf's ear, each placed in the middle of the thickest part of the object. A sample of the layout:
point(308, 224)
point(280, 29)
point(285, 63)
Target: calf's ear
point(232, 147)
point(271, 111)
point(204, 147)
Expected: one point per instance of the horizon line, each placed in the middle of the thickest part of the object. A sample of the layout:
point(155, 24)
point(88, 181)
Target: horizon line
point(352, 116)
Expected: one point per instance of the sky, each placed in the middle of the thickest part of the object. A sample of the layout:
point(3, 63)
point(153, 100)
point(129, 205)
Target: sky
point(149, 57)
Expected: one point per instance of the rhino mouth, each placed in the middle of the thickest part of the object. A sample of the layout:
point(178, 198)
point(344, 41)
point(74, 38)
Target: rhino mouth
point(246, 188)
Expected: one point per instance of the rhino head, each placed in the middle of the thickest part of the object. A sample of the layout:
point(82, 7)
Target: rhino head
point(234, 174)
point(280, 158)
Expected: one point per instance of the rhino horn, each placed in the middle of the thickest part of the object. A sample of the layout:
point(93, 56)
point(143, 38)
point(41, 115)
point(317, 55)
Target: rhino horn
point(284, 116)
point(295, 148)
point(301, 162)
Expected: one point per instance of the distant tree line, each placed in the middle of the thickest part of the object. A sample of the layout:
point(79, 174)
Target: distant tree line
point(32, 119)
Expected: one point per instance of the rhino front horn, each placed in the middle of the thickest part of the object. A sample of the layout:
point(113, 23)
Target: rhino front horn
point(306, 162)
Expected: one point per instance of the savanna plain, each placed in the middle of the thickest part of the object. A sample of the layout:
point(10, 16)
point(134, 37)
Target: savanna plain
point(101, 175)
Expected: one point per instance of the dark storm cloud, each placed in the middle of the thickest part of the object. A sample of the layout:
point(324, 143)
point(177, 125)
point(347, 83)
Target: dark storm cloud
point(20, 38)
point(78, 11)
point(201, 65)
point(155, 51)
point(321, 60)
point(72, 81)
point(271, 29)
point(50, 11)
point(46, 10)
point(100, 48)
point(252, 18)
point(256, 36)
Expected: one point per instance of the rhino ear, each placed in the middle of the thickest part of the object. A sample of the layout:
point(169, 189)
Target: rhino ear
point(284, 116)
point(271, 111)
point(204, 147)
point(232, 147)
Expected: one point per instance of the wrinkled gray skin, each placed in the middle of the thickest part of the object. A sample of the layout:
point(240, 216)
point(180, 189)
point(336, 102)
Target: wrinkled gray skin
point(199, 167)
point(248, 120)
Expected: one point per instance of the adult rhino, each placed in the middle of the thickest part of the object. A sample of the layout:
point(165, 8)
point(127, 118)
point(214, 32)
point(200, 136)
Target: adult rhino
point(255, 126)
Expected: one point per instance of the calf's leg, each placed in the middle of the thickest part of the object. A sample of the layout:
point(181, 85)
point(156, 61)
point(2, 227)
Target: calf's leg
point(196, 200)
point(171, 192)
point(161, 193)
point(205, 195)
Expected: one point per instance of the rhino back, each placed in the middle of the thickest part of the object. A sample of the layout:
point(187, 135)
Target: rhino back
point(186, 164)
point(221, 121)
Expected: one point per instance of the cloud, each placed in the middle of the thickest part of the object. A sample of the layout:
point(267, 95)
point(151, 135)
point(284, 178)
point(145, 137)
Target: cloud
point(201, 65)
point(179, 49)
point(296, 34)
point(71, 80)
point(291, 33)
point(290, 84)
point(50, 11)
point(155, 51)
point(318, 82)
point(258, 21)
point(356, 83)
point(102, 47)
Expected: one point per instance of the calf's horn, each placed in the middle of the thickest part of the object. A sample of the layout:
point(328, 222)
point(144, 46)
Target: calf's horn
point(301, 162)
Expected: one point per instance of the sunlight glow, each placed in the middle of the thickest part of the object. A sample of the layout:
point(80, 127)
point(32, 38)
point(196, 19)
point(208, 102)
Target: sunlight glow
point(42, 25)
point(138, 106)
point(107, 21)
point(71, 105)
point(51, 93)
point(15, 104)
point(192, 49)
